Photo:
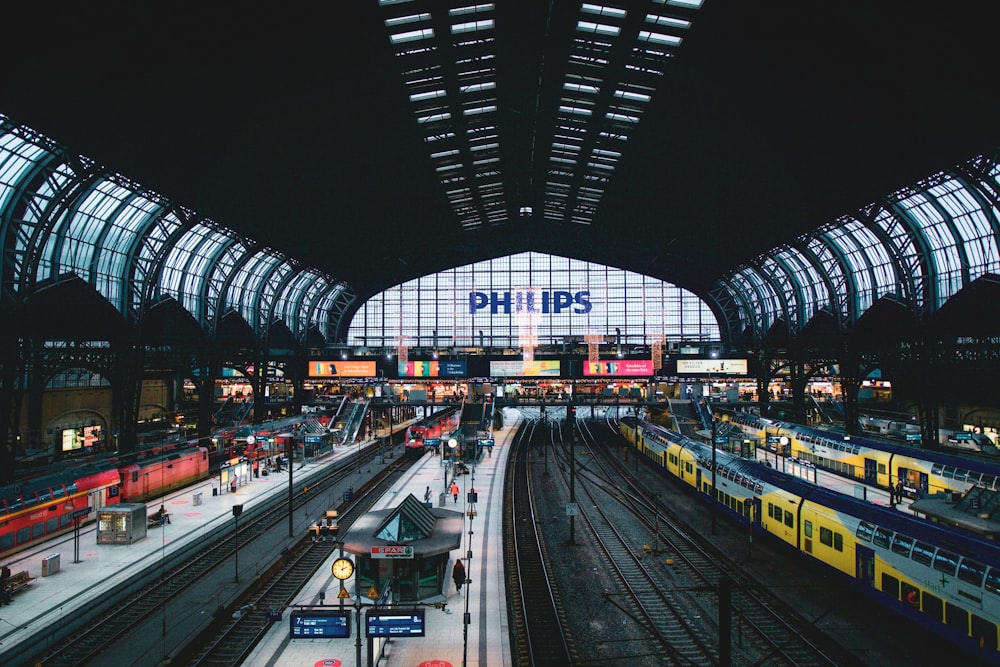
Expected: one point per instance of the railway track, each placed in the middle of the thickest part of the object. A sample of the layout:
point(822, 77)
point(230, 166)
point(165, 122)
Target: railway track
point(227, 644)
point(777, 633)
point(134, 607)
point(538, 634)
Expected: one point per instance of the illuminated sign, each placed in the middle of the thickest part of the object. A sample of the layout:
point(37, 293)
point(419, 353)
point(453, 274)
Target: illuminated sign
point(395, 623)
point(530, 301)
point(533, 368)
point(330, 624)
point(712, 366)
point(618, 368)
point(433, 369)
point(392, 551)
point(342, 369)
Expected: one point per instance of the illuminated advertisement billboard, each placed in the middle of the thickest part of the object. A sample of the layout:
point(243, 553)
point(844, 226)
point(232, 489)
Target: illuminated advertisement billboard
point(533, 368)
point(431, 369)
point(712, 367)
point(618, 368)
point(342, 369)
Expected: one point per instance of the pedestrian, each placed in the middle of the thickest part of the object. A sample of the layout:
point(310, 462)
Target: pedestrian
point(164, 515)
point(458, 574)
point(5, 585)
point(899, 491)
point(232, 485)
point(427, 495)
point(454, 493)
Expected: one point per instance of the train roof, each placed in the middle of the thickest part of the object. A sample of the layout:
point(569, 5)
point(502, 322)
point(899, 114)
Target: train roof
point(986, 550)
point(68, 477)
point(965, 462)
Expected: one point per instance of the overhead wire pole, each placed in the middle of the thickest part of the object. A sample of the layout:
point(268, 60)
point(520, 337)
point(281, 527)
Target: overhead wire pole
point(571, 425)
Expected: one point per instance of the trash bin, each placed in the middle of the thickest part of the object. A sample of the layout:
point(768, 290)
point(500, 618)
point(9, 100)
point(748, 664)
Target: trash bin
point(50, 564)
point(441, 498)
point(197, 498)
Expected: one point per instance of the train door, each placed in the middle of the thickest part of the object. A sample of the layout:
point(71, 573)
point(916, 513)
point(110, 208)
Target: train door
point(755, 511)
point(871, 472)
point(864, 564)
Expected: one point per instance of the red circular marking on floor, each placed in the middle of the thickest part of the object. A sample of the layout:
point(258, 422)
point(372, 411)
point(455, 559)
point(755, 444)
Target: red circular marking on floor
point(434, 663)
point(329, 662)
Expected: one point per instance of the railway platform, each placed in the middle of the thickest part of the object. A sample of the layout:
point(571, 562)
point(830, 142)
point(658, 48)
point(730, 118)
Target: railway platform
point(447, 642)
point(72, 574)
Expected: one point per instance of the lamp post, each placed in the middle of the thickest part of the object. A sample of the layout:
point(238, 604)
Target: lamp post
point(237, 510)
point(452, 445)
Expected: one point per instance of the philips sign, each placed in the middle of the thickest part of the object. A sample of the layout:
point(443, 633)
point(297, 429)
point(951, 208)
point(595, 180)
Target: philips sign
point(530, 301)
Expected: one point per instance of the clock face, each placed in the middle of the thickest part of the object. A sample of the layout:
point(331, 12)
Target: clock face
point(343, 568)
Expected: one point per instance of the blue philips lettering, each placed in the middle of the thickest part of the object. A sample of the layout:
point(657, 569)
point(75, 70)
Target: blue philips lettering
point(496, 302)
point(477, 300)
point(583, 304)
point(560, 300)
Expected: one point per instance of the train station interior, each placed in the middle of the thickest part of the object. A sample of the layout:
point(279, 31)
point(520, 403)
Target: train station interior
point(220, 217)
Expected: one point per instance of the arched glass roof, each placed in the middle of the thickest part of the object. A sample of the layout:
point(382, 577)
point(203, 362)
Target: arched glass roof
point(922, 244)
point(62, 214)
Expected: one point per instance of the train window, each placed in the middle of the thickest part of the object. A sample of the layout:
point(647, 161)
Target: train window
point(882, 537)
point(992, 583)
point(807, 528)
point(961, 475)
point(6, 542)
point(23, 535)
point(52, 525)
point(988, 480)
point(865, 531)
point(881, 468)
point(838, 542)
point(902, 544)
point(923, 553)
point(933, 606)
point(826, 536)
point(948, 471)
point(937, 468)
point(789, 519)
point(946, 561)
point(135, 476)
point(956, 617)
point(984, 631)
point(890, 585)
point(971, 572)
point(37, 530)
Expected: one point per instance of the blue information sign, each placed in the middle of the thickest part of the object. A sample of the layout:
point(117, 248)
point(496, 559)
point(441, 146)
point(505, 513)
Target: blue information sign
point(395, 623)
point(331, 624)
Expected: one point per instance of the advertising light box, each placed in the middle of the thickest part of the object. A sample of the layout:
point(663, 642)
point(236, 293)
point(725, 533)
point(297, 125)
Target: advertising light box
point(395, 623)
point(432, 369)
point(518, 368)
point(329, 624)
point(712, 367)
point(342, 369)
point(618, 368)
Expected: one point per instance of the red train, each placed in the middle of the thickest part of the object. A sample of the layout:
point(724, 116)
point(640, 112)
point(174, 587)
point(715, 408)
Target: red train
point(35, 509)
point(429, 432)
point(154, 476)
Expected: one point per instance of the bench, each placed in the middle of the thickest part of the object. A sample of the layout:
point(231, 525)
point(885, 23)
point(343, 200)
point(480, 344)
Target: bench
point(19, 581)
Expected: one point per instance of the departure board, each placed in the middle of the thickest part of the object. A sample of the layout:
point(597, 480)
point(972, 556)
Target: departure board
point(395, 623)
point(330, 624)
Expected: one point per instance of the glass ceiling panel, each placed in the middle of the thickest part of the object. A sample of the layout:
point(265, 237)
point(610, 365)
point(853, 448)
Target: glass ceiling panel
point(18, 158)
point(603, 57)
point(944, 254)
point(972, 223)
point(465, 160)
point(812, 288)
point(245, 287)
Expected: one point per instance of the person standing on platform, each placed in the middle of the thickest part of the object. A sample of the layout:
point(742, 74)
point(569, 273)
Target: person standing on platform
point(427, 495)
point(454, 493)
point(458, 574)
point(5, 585)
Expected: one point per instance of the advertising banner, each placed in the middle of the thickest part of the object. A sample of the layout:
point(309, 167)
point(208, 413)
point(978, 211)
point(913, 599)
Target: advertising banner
point(342, 369)
point(618, 368)
point(711, 366)
point(431, 369)
point(533, 368)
